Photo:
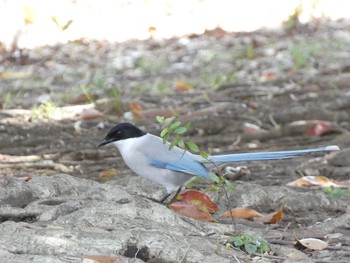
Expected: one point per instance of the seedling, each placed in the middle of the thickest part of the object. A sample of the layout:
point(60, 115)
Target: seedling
point(174, 131)
point(44, 110)
point(250, 243)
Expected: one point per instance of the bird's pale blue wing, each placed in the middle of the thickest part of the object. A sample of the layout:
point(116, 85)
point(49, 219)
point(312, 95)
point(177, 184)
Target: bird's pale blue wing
point(184, 164)
point(158, 155)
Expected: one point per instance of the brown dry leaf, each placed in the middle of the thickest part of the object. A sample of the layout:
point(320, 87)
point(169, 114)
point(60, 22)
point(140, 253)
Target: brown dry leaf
point(182, 86)
point(198, 198)
point(90, 114)
point(319, 128)
point(272, 218)
point(107, 259)
point(241, 212)
point(152, 30)
point(82, 98)
point(25, 179)
point(217, 32)
point(191, 210)
point(270, 75)
point(310, 180)
point(311, 243)
point(136, 109)
point(252, 105)
point(249, 128)
point(108, 173)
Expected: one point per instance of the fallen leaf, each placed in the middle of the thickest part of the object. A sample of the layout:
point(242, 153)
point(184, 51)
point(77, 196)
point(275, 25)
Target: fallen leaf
point(108, 172)
point(252, 105)
point(310, 180)
point(217, 32)
point(182, 86)
point(270, 75)
point(90, 114)
point(249, 128)
point(272, 218)
point(152, 30)
point(107, 259)
point(311, 243)
point(191, 210)
point(197, 197)
point(25, 179)
point(83, 98)
point(319, 128)
point(241, 212)
point(136, 110)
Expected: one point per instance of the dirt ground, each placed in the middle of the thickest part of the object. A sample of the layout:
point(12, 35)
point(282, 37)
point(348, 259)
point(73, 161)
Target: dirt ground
point(243, 92)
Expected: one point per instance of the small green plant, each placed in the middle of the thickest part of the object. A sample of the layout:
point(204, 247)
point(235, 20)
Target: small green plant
point(7, 99)
point(250, 243)
point(59, 25)
point(117, 99)
point(293, 20)
point(87, 94)
point(299, 57)
point(336, 191)
point(217, 80)
point(44, 110)
point(174, 131)
point(250, 53)
point(149, 64)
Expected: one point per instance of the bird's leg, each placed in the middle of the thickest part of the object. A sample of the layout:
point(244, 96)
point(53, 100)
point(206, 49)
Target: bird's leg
point(164, 198)
point(172, 199)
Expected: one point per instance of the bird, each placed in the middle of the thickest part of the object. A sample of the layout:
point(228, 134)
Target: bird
point(148, 156)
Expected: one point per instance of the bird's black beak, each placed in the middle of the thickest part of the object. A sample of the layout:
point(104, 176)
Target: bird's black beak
point(103, 142)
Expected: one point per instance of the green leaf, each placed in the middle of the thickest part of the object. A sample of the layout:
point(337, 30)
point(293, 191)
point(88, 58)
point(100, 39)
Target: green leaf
point(174, 125)
point(54, 19)
point(192, 146)
point(213, 188)
point(250, 248)
point(264, 247)
point(187, 125)
point(180, 130)
point(65, 27)
point(180, 143)
point(204, 154)
point(165, 138)
point(168, 120)
point(160, 119)
point(172, 145)
point(229, 184)
point(237, 241)
point(164, 132)
point(214, 178)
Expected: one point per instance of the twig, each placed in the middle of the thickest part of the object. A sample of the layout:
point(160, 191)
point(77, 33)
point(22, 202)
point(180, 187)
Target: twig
point(185, 255)
point(269, 256)
point(45, 164)
point(229, 207)
point(272, 120)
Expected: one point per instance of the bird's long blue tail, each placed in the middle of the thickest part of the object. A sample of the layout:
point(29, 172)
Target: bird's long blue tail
point(259, 156)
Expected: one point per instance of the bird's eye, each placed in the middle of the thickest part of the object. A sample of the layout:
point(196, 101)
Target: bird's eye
point(119, 132)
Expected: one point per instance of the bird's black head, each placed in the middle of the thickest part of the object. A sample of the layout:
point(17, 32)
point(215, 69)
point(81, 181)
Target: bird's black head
point(121, 132)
